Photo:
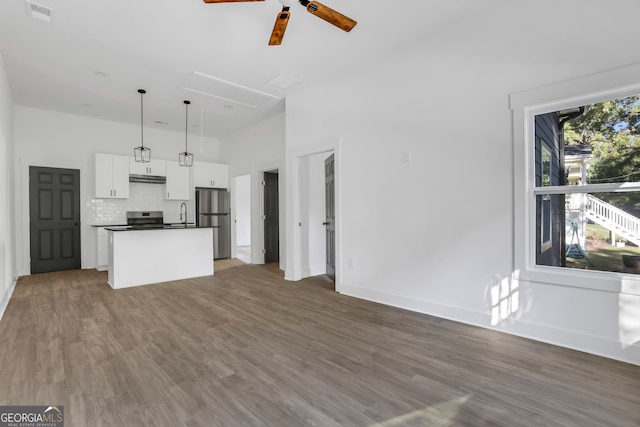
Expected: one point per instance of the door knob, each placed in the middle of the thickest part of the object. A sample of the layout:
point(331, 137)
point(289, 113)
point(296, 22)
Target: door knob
point(325, 223)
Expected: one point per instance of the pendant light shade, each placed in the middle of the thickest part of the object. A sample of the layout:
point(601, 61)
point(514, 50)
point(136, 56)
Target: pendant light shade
point(185, 158)
point(142, 154)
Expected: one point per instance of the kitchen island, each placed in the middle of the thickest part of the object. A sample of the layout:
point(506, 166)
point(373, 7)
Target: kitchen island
point(141, 256)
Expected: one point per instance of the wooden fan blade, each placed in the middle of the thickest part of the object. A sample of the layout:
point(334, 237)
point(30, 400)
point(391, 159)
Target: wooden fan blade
point(331, 16)
point(227, 1)
point(279, 27)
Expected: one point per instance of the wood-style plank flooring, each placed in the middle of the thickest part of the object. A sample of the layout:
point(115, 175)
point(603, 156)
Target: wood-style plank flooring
point(247, 348)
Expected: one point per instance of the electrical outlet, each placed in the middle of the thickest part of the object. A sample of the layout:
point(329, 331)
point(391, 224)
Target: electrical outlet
point(351, 262)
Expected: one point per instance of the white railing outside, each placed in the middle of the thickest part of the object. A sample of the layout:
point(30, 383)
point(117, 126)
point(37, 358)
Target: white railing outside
point(614, 219)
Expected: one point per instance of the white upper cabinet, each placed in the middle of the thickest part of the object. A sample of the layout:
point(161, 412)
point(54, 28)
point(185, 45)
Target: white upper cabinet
point(211, 175)
point(177, 187)
point(112, 176)
point(154, 167)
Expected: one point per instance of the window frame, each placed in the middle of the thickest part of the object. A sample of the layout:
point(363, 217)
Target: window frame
point(544, 149)
point(545, 202)
point(545, 224)
point(525, 106)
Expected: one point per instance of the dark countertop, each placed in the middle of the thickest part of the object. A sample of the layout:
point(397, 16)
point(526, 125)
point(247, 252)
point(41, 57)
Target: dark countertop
point(164, 227)
point(127, 225)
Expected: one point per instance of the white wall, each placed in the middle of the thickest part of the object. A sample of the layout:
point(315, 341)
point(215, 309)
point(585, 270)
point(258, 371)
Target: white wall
point(426, 167)
point(46, 138)
point(8, 274)
point(252, 151)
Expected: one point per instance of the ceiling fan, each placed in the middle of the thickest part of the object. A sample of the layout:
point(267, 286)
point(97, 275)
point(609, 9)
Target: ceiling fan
point(316, 8)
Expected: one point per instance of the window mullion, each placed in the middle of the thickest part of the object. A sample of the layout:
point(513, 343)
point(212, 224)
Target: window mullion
point(588, 188)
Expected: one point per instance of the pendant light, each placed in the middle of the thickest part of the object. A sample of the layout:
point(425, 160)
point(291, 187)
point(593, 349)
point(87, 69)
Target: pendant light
point(186, 159)
point(142, 154)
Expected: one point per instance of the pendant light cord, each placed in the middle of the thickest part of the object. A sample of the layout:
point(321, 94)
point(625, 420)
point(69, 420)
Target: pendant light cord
point(142, 92)
point(186, 124)
point(142, 154)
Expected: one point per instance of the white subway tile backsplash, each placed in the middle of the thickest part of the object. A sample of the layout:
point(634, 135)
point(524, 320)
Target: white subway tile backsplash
point(142, 197)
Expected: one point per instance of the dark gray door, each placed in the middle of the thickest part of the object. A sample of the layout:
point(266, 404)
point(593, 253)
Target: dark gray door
point(330, 217)
point(54, 211)
point(271, 218)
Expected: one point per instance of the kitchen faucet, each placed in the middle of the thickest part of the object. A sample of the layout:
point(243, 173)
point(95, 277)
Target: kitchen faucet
point(185, 212)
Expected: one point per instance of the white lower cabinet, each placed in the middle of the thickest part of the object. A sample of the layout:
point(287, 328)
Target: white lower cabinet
point(152, 256)
point(102, 249)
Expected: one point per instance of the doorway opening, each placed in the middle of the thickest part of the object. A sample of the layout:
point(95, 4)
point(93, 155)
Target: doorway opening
point(242, 211)
point(271, 217)
point(314, 213)
point(54, 209)
point(317, 214)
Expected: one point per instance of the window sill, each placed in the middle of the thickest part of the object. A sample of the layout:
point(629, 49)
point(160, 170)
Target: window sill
point(620, 283)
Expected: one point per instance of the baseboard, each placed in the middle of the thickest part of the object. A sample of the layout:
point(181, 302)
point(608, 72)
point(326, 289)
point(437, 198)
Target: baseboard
point(314, 271)
point(7, 297)
point(560, 337)
point(288, 275)
point(317, 270)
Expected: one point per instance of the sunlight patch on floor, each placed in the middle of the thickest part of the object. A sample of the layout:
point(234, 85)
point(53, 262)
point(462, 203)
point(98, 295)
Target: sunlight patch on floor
point(440, 415)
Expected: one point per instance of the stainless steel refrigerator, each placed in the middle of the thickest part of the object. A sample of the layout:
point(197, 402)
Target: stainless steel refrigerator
point(212, 210)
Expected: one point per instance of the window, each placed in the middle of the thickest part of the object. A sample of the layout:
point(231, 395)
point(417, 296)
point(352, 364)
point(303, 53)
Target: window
point(577, 227)
point(562, 186)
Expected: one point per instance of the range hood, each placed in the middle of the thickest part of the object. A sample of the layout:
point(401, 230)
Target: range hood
point(149, 179)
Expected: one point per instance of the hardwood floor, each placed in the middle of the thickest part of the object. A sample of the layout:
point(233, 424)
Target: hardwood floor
point(247, 348)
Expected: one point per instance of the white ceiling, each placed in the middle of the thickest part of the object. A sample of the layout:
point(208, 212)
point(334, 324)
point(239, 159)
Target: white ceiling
point(95, 55)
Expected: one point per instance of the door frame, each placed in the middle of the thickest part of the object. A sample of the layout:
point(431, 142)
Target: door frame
point(294, 156)
point(234, 210)
point(262, 216)
point(22, 231)
point(257, 211)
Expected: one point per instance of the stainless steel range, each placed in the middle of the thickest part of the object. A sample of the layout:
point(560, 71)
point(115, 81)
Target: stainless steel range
point(145, 219)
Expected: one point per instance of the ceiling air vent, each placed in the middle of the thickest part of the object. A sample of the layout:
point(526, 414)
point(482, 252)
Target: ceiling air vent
point(38, 11)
